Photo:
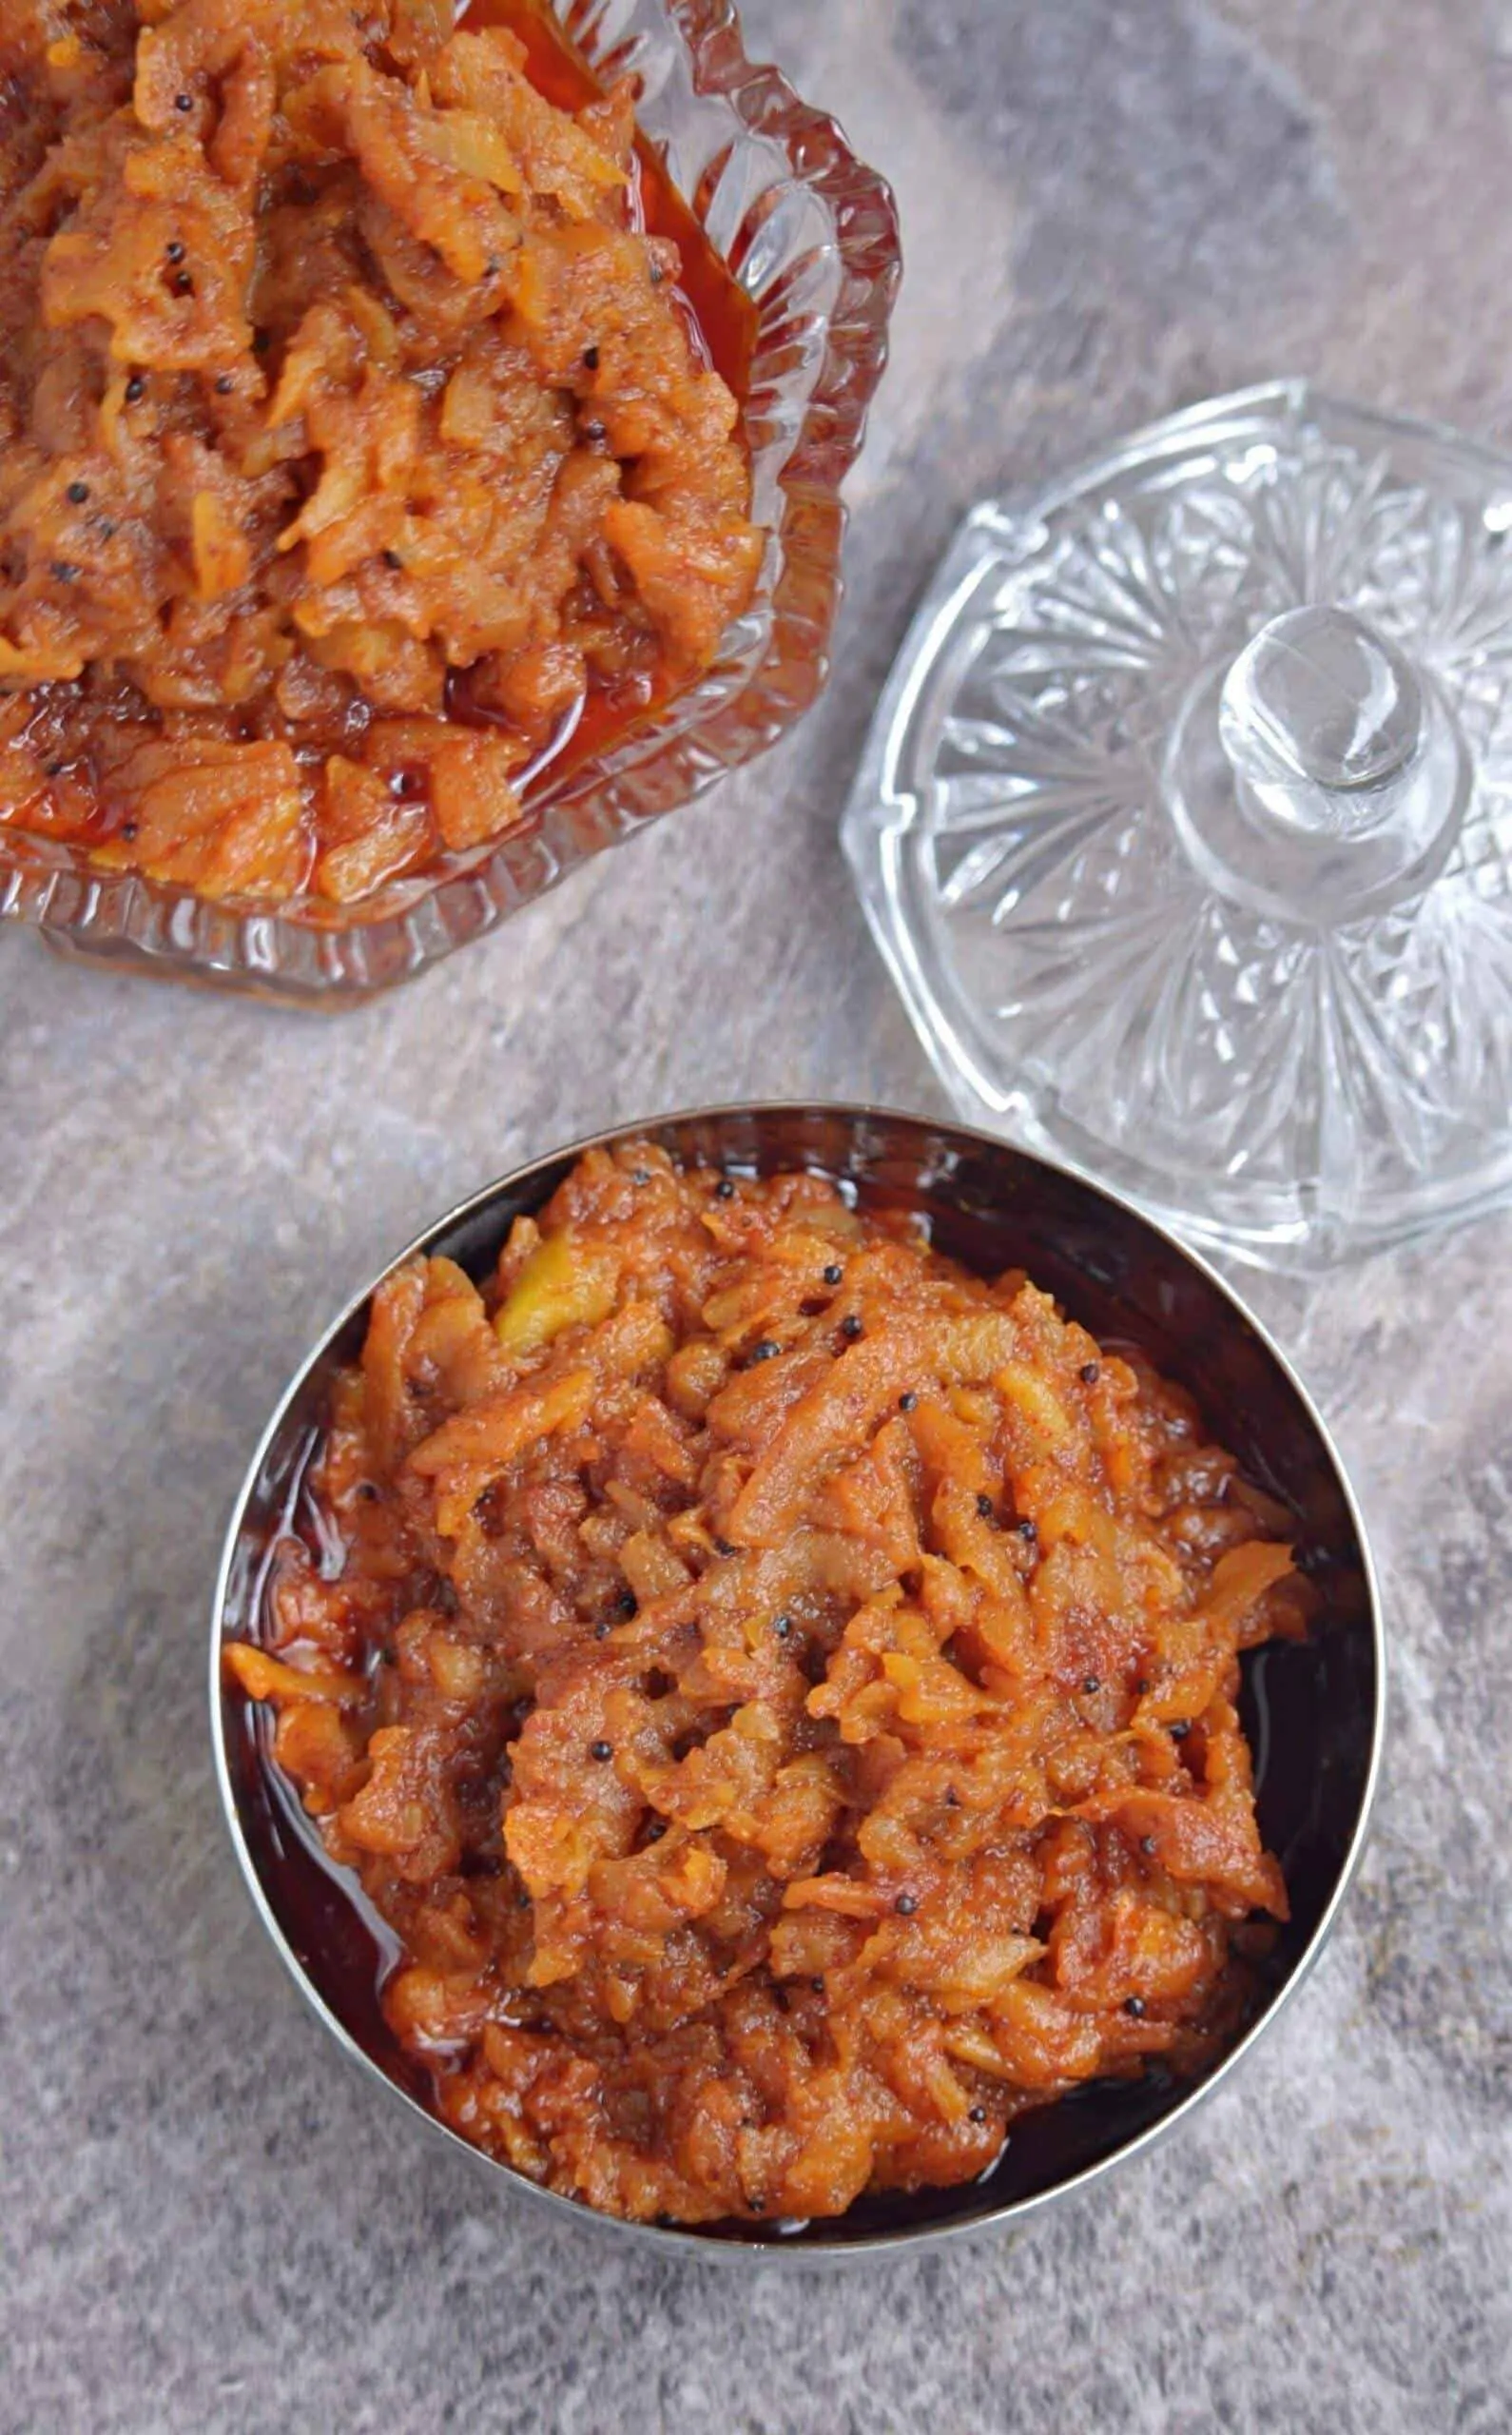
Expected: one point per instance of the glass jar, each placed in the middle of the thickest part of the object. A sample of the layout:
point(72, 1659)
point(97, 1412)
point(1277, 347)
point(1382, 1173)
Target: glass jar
point(811, 236)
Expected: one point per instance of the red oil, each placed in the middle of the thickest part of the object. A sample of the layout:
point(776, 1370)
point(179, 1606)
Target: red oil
point(721, 324)
point(722, 315)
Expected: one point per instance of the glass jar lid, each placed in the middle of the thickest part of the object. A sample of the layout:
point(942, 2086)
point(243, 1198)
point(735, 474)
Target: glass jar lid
point(1185, 824)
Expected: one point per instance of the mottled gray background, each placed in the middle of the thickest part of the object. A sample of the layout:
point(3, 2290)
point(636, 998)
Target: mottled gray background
point(1112, 207)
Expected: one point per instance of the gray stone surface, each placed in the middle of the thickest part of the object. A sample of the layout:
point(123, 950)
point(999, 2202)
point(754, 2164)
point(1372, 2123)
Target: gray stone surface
point(1112, 207)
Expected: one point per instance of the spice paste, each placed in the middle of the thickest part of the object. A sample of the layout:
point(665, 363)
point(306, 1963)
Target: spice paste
point(358, 437)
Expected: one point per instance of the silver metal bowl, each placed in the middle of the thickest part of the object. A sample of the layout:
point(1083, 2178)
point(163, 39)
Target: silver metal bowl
point(1313, 1712)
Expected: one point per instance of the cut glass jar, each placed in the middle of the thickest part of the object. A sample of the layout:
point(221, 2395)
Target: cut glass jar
point(811, 236)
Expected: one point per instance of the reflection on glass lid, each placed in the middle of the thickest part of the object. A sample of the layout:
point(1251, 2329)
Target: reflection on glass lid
point(1186, 823)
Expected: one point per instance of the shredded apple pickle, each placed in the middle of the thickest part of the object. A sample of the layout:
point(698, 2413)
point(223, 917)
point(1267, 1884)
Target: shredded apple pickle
point(781, 1691)
point(353, 435)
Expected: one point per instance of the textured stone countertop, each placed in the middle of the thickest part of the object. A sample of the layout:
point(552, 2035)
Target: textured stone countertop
point(1112, 207)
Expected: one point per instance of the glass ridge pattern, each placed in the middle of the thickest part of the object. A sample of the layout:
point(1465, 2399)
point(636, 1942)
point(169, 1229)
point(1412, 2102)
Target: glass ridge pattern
point(1283, 1090)
point(812, 236)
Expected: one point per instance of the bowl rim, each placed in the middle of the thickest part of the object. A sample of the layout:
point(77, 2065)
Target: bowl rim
point(815, 2248)
point(282, 952)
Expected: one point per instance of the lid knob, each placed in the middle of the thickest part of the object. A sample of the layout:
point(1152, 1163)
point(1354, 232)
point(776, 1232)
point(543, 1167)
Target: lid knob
point(1319, 714)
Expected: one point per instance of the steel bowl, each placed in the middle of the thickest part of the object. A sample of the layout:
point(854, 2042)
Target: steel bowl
point(1313, 1711)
